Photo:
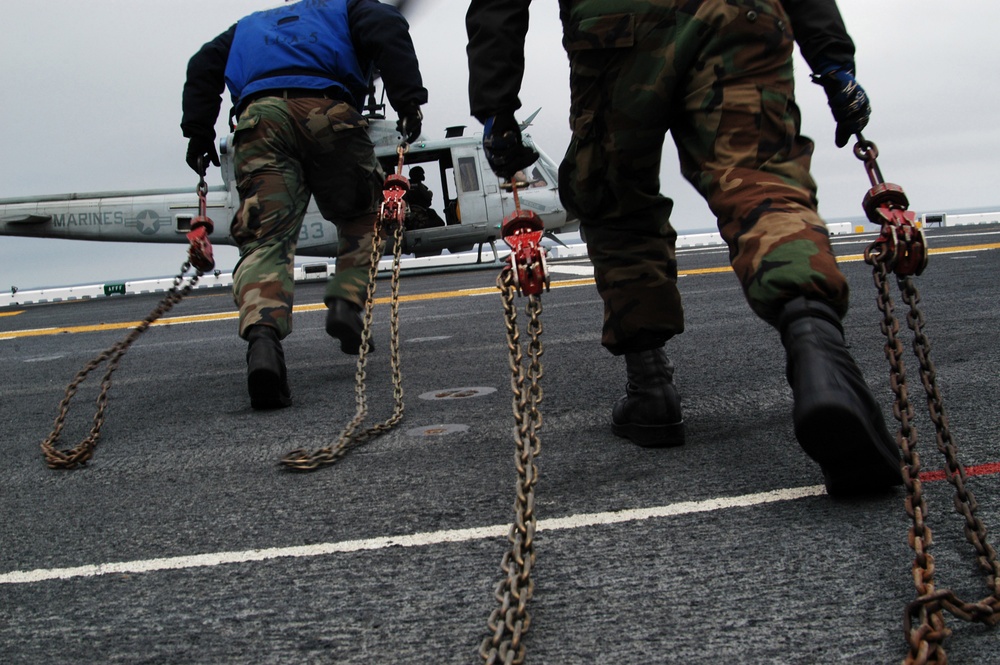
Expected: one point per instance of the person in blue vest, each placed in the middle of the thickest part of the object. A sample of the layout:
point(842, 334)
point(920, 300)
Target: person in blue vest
point(298, 76)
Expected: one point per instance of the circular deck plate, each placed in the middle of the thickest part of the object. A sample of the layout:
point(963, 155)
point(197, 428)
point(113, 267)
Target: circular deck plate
point(457, 393)
point(436, 430)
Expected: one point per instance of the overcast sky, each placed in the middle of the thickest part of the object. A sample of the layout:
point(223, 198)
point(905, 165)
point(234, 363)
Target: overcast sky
point(91, 102)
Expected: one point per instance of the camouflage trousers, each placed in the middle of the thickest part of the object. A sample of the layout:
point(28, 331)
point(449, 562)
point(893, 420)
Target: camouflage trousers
point(716, 75)
point(287, 150)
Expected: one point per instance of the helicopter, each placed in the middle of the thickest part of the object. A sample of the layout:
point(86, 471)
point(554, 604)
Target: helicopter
point(474, 201)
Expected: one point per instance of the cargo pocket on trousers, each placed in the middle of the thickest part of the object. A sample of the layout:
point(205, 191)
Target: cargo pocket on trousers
point(355, 193)
point(590, 44)
point(347, 159)
point(246, 221)
point(778, 126)
point(243, 143)
point(344, 117)
point(739, 128)
point(245, 226)
point(243, 127)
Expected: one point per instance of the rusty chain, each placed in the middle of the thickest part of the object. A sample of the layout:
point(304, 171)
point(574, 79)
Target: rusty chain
point(509, 622)
point(924, 624)
point(199, 257)
point(901, 248)
point(305, 460)
point(83, 451)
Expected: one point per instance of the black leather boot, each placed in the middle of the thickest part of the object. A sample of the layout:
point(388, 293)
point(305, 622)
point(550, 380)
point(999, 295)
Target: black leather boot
point(837, 419)
point(267, 381)
point(343, 322)
point(650, 412)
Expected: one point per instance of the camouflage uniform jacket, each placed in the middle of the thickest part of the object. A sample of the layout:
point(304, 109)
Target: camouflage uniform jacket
point(496, 46)
point(379, 33)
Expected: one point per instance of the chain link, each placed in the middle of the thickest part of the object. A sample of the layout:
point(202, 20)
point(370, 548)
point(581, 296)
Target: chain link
point(926, 638)
point(82, 452)
point(304, 460)
point(509, 622)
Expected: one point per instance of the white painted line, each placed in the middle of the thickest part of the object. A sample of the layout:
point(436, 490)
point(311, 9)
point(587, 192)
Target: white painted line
point(683, 508)
point(413, 540)
point(561, 269)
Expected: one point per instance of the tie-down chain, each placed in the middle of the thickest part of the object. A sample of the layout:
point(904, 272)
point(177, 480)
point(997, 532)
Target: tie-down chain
point(390, 218)
point(200, 257)
point(902, 249)
point(527, 273)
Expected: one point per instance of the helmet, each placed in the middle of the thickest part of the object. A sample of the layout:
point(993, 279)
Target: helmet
point(417, 173)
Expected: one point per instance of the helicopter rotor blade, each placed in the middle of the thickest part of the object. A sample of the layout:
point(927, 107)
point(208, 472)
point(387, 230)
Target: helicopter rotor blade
point(527, 123)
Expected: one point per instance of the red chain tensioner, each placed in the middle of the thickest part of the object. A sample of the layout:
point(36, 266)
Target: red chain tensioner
point(522, 230)
point(200, 252)
point(901, 244)
point(393, 190)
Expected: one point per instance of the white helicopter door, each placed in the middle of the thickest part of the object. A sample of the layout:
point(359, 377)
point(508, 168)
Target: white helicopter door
point(473, 187)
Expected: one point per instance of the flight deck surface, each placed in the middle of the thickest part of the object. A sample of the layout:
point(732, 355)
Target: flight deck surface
point(185, 541)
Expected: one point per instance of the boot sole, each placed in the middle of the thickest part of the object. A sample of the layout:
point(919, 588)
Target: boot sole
point(855, 458)
point(651, 436)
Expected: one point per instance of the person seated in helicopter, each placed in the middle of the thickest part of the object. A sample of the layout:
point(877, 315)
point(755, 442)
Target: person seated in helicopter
point(419, 214)
point(521, 179)
point(537, 179)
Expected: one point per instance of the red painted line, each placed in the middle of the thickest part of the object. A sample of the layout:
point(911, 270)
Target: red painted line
point(979, 470)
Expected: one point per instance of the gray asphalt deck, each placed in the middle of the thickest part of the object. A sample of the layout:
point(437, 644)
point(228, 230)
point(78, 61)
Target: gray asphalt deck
point(723, 551)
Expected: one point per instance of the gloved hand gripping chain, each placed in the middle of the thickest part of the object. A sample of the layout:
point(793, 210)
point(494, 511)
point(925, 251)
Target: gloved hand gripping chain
point(199, 256)
point(902, 248)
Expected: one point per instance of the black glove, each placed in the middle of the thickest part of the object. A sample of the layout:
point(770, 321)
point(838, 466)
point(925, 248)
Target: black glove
point(848, 101)
point(409, 123)
point(201, 147)
point(505, 151)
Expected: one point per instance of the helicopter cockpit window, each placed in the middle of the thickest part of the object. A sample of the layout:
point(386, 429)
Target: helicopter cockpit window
point(468, 177)
point(531, 177)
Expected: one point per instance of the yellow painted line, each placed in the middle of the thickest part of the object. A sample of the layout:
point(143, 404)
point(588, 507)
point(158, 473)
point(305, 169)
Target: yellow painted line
point(20, 311)
point(121, 325)
point(436, 295)
point(223, 316)
point(932, 252)
point(966, 248)
point(852, 258)
point(704, 271)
